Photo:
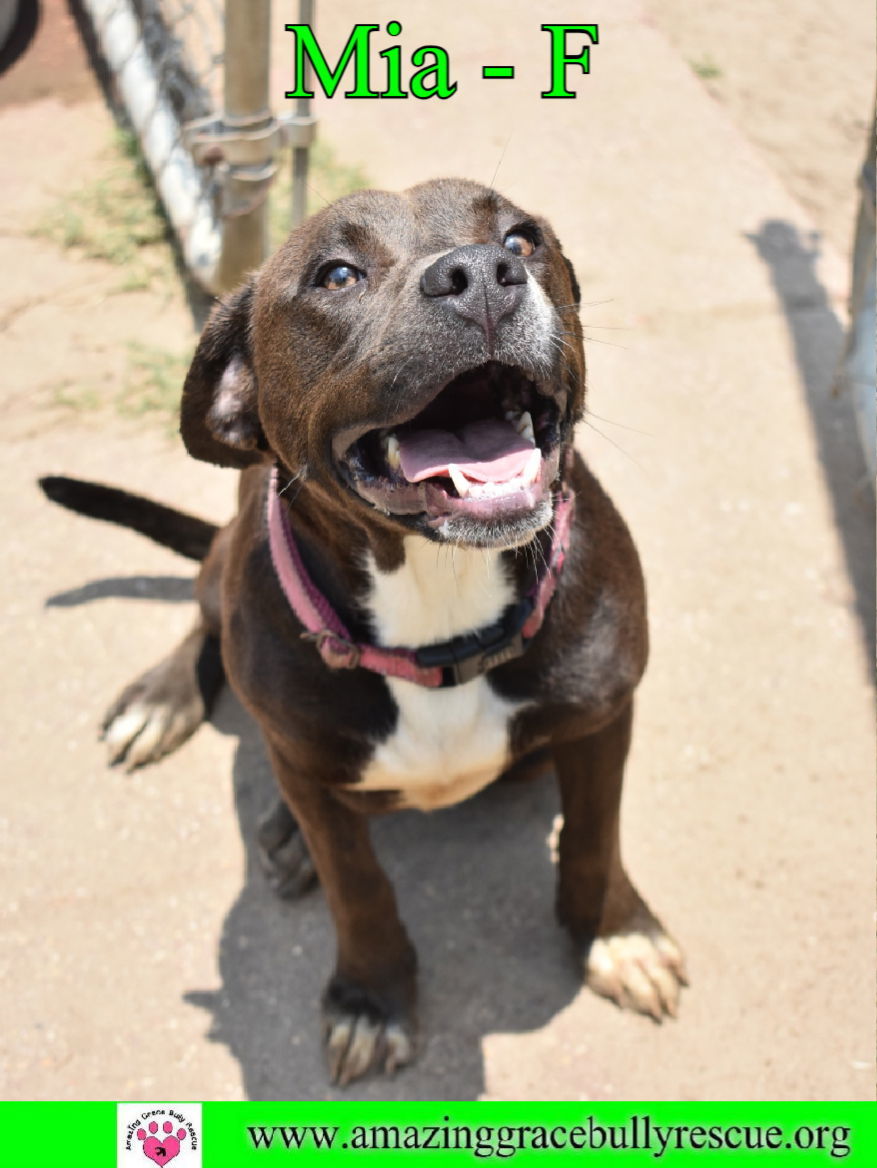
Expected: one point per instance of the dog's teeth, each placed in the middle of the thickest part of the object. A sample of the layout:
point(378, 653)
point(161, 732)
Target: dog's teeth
point(531, 471)
point(391, 445)
point(524, 427)
point(459, 480)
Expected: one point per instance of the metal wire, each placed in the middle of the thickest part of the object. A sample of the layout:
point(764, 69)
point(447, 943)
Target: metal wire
point(209, 168)
point(184, 41)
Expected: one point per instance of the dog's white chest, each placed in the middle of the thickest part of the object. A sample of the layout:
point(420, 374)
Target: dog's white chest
point(449, 743)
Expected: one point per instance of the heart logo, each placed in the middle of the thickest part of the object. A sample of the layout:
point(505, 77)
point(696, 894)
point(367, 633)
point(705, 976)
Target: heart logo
point(161, 1151)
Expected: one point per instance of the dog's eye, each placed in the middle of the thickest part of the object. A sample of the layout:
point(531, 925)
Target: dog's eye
point(519, 244)
point(340, 276)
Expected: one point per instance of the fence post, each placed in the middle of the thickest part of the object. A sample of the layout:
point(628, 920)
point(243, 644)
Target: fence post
point(247, 112)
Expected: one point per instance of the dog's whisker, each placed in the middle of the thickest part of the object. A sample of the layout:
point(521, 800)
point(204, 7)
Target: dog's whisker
point(540, 551)
point(583, 304)
point(560, 345)
point(501, 158)
point(625, 328)
point(589, 413)
point(603, 341)
point(401, 369)
point(298, 477)
point(617, 446)
point(326, 202)
point(534, 553)
point(529, 556)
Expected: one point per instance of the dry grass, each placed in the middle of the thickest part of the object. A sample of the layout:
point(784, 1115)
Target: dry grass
point(116, 218)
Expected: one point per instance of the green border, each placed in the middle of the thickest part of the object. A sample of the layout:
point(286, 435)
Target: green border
point(58, 1135)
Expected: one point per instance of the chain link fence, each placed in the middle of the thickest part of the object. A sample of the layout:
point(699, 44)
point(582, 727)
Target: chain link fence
point(193, 76)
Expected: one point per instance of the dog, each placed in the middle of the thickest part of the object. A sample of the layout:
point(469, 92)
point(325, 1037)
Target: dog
point(424, 587)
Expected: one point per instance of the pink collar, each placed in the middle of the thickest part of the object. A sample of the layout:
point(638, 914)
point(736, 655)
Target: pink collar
point(450, 663)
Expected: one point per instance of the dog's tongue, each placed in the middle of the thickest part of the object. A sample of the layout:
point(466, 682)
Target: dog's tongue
point(489, 451)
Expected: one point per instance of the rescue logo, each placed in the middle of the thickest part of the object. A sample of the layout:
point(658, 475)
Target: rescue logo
point(159, 1133)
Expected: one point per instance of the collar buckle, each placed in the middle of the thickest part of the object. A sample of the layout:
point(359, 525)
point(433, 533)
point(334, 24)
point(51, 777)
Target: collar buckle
point(478, 664)
point(471, 655)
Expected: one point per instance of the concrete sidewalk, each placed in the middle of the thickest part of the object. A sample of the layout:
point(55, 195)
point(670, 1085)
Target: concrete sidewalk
point(147, 959)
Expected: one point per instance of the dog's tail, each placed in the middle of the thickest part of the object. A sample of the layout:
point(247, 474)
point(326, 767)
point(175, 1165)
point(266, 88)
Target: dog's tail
point(182, 533)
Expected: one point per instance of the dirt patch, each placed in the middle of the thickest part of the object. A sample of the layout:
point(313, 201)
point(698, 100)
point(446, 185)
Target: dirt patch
point(798, 79)
point(55, 64)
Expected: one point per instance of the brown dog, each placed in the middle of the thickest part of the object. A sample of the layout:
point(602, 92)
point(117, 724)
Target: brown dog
point(429, 589)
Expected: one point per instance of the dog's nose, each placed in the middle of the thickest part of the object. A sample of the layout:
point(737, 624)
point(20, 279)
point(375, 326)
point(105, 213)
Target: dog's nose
point(483, 282)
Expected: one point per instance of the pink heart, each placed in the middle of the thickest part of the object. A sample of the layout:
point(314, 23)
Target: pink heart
point(161, 1151)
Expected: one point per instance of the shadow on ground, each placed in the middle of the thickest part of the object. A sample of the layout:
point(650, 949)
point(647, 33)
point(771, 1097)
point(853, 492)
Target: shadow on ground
point(172, 589)
point(475, 885)
point(817, 340)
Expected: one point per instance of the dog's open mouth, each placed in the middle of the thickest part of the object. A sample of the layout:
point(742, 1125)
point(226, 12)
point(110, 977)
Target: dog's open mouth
point(486, 446)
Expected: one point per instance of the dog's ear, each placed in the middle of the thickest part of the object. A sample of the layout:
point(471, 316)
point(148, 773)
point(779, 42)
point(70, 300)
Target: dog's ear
point(219, 418)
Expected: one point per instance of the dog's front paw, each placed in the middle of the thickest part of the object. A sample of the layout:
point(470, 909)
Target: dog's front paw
point(640, 969)
point(164, 707)
point(146, 723)
point(362, 1035)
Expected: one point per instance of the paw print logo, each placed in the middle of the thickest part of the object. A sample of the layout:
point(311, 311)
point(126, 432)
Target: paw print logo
point(161, 1151)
